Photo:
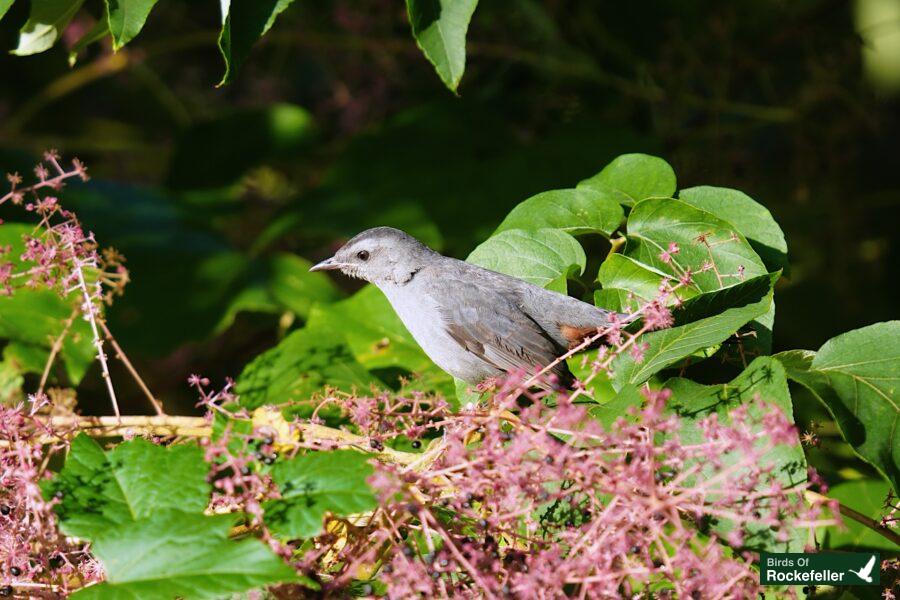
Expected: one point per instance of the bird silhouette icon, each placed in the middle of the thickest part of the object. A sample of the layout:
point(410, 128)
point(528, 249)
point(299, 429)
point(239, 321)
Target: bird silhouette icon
point(866, 572)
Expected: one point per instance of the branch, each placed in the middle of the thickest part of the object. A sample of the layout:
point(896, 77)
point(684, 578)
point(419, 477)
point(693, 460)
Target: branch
point(856, 516)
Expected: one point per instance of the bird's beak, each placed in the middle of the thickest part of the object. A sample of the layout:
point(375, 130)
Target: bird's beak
point(329, 264)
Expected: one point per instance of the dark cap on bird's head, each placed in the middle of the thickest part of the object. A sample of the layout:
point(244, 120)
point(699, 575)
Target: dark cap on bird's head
point(379, 255)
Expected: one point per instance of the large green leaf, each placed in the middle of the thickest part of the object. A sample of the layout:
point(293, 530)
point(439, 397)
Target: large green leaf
point(36, 317)
point(634, 177)
point(575, 211)
point(705, 325)
point(302, 364)
point(127, 18)
point(45, 24)
point(545, 257)
point(374, 332)
point(314, 484)
point(855, 375)
point(866, 496)
point(135, 480)
point(243, 23)
point(439, 27)
point(764, 379)
point(750, 218)
point(177, 554)
point(628, 283)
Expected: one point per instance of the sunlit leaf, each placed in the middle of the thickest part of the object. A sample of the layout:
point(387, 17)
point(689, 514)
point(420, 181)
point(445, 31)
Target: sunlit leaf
point(575, 211)
point(177, 554)
point(127, 18)
point(856, 376)
point(545, 257)
point(439, 27)
point(243, 23)
point(314, 484)
point(634, 177)
point(45, 24)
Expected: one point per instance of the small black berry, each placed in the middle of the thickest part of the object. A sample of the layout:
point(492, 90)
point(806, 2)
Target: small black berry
point(15, 571)
point(5, 510)
point(416, 444)
point(6, 591)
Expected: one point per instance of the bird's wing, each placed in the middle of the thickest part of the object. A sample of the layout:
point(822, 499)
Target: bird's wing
point(491, 324)
point(866, 570)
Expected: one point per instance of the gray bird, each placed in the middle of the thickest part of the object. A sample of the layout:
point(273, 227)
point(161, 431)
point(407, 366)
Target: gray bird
point(472, 322)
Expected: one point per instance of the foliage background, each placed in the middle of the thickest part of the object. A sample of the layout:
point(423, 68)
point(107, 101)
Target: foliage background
point(337, 122)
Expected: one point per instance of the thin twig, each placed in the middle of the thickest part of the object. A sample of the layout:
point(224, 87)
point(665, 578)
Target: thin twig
point(54, 350)
point(120, 354)
point(856, 516)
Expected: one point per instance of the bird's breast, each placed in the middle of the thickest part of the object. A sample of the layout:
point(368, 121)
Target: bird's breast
point(421, 315)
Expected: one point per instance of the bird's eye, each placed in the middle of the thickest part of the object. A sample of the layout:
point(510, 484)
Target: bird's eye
point(363, 255)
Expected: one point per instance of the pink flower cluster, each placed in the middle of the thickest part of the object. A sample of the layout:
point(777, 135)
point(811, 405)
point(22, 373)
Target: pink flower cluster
point(35, 559)
point(524, 497)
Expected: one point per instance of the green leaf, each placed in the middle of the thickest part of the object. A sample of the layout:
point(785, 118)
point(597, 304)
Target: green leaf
point(5, 5)
point(666, 347)
point(629, 397)
point(243, 23)
point(627, 283)
point(868, 497)
point(575, 211)
point(655, 223)
point(374, 332)
point(134, 480)
point(749, 217)
point(766, 380)
point(303, 363)
point(855, 375)
point(176, 554)
point(314, 484)
point(634, 177)
point(45, 24)
point(127, 18)
point(37, 317)
point(96, 33)
point(546, 257)
point(439, 28)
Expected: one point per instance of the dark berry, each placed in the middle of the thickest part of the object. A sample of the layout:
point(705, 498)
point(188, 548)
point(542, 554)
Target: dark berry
point(416, 444)
point(5, 510)
point(268, 460)
point(6, 591)
point(15, 571)
point(268, 441)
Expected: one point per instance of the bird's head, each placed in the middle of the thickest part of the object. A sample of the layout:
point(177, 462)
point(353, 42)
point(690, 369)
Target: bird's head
point(383, 256)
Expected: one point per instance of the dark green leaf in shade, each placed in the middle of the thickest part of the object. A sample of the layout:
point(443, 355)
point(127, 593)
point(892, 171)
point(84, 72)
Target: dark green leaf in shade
point(314, 484)
point(303, 363)
point(634, 177)
point(127, 18)
point(205, 155)
point(545, 257)
point(133, 481)
point(243, 23)
point(45, 24)
point(176, 554)
point(855, 375)
point(575, 211)
point(764, 380)
point(705, 325)
point(750, 218)
point(439, 28)
point(96, 33)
